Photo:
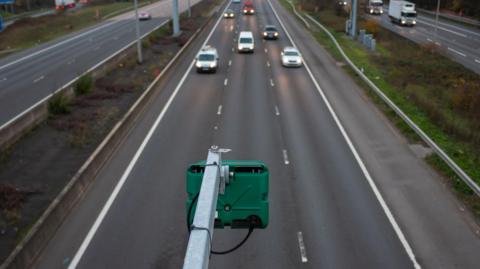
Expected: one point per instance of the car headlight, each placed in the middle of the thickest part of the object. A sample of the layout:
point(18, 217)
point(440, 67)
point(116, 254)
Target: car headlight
point(276, 34)
point(265, 33)
point(403, 22)
point(225, 15)
point(371, 11)
point(212, 65)
point(240, 48)
point(198, 64)
point(245, 11)
point(381, 11)
point(414, 22)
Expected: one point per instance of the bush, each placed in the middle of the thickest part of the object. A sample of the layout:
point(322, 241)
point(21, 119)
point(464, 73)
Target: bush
point(372, 27)
point(84, 85)
point(59, 104)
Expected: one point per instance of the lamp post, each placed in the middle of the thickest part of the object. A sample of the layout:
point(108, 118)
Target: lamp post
point(137, 28)
point(436, 19)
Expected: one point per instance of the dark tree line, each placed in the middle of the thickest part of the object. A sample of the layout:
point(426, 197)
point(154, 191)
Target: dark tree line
point(465, 7)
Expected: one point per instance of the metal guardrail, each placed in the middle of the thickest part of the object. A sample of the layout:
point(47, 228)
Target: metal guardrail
point(459, 171)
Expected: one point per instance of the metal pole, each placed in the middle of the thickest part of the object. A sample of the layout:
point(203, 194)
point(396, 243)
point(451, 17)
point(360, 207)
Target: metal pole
point(137, 26)
point(436, 19)
point(354, 19)
point(201, 235)
point(176, 26)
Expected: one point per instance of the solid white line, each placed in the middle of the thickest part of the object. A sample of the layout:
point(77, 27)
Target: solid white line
point(271, 83)
point(277, 112)
point(38, 79)
point(477, 61)
point(457, 52)
point(219, 111)
point(126, 174)
point(268, 63)
point(301, 245)
point(429, 40)
point(373, 186)
point(229, 62)
point(225, 83)
point(285, 157)
point(56, 45)
point(438, 44)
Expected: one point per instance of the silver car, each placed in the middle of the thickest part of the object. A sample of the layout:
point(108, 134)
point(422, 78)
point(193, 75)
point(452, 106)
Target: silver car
point(291, 57)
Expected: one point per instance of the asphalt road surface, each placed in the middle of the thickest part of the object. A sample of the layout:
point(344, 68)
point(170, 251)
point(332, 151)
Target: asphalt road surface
point(459, 42)
point(379, 206)
point(28, 77)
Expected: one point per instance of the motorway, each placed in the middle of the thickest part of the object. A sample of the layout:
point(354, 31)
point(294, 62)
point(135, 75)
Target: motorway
point(458, 42)
point(341, 177)
point(29, 76)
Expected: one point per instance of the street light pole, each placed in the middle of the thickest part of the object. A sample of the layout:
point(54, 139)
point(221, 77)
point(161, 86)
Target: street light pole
point(137, 26)
point(436, 18)
point(175, 19)
point(353, 18)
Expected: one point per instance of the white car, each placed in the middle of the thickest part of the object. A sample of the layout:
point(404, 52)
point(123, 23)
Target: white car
point(207, 60)
point(245, 42)
point(143, 16)
point(291, 57)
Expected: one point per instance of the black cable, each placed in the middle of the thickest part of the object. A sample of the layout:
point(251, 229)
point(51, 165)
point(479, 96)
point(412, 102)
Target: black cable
point(250, 230)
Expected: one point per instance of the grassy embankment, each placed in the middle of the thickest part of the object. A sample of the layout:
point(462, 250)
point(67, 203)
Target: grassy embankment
point(439, 95)
point(28, 32)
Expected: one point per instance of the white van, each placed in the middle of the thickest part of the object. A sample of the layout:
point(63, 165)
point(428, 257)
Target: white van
point(245, 42)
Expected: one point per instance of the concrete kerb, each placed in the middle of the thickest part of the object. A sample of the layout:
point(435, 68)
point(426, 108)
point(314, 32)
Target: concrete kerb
point(459, 171)
point(37, 238)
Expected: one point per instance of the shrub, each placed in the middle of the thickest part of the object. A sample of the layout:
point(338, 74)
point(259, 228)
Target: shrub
point(59, 104)
point(83, 85)
point(372, 27)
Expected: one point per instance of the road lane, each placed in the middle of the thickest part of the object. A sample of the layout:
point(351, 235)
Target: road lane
point(82, 50)
point(461, 45)
point(320, 192)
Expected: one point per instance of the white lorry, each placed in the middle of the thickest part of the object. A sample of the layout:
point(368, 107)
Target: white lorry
point(402, 12)
point(374, 7)
point(64, 4)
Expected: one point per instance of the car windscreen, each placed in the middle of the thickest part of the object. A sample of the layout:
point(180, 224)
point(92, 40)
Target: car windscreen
point(246, 40)
point(376, 4)
point(291, 53)
point(270, 29)
point(206, 57)
point(409, 14)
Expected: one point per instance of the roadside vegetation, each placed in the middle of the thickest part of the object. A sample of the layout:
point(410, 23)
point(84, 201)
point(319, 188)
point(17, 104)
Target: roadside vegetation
point(28, 32)
point(439, 95)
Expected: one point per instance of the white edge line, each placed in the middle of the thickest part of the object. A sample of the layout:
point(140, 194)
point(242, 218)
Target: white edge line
point(219, 111)
point(225, 82)
point(118, 187)
point(76, 78)
point(372, 184)
point(477, 61)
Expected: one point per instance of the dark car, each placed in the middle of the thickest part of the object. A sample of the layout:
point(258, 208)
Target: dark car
point(270, 32)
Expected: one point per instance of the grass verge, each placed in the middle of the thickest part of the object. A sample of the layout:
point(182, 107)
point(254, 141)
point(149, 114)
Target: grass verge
point(439, 95)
